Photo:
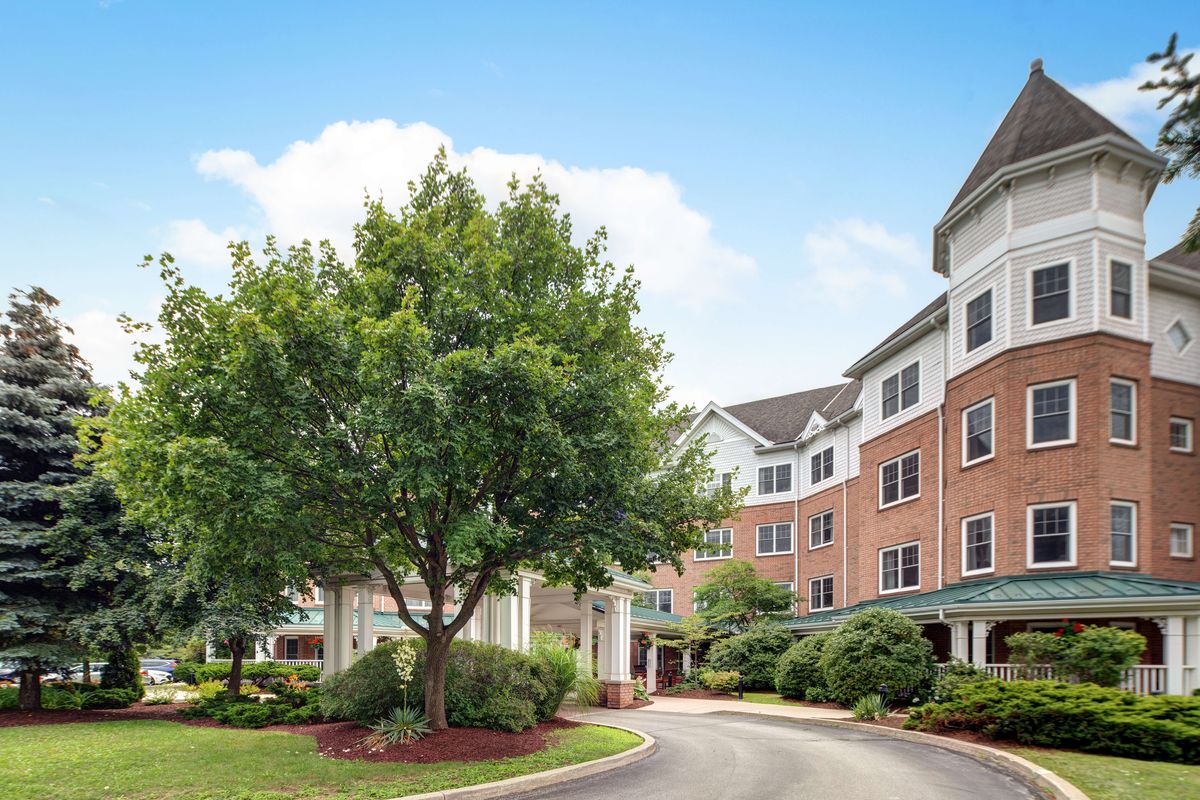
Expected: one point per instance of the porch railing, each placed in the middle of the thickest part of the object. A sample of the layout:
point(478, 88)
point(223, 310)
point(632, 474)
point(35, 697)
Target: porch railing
point(312, 662)
point(1140, 679)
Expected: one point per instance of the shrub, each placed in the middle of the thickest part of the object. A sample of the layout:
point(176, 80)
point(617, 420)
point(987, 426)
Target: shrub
point(639, 689)
point(559, 667)
point(259, 672)
point(874, 647)
point(1092, 653)
point(799, 667)
point(108, 698)
point(400, 726)
point(753, 654)
point(870, 706)
point(158, 700)
point(8, 698)
point(958, 673)
point(304, 715)
point(1075, 716)
point(250, 715)
point(720, 681)
point(818, 694)
point(185, 671)
point(487, 686)
point(123, 670)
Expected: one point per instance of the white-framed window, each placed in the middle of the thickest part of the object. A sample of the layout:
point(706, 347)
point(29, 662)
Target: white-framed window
point(291, 648)
point(1120, 289)
point(900, 568)
point(1122, 411)
point(1051, 414)
point(820, 593)
point(659, 599)
point(822, 466)
point(774, 539)
point(775, 479)
point(722, 480)
point(979, 321)
point(1122, 534)
point(900, 479)
point(718, 543)
point(1180, 336)
point(979, 544)
point(318, 595)
point(785, 585)
point(1181, 435)
point(978, 423)
point(1050, 294)
point(820, 530)
point(1182, 534)
point(1051, 535)
point(901, 390)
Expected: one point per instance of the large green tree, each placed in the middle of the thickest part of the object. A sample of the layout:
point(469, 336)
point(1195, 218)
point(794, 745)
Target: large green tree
point(45, 386)
point(735, 597)
point(1179, 139)
point(471, 394)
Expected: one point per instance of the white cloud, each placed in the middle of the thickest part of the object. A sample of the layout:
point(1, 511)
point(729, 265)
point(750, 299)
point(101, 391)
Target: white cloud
point(47, 201)
point(1120, 101)
point(192, 242)
point(315, 190)
point(105, 345)
point(850, 259)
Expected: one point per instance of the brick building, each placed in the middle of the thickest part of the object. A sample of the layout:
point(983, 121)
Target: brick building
point(1020, 451)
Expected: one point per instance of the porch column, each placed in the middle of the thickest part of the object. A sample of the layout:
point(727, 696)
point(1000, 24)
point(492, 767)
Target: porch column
point(602, 659)
point(979, 635)
point(651, 669)
point(585, 634)
point(687, 660)
point(264, 649)
point(345, 627)
point(508, 621)
point(366, 620)
point(210, 648)
point(328, 635)
point(960, 641)
point(524, 608)
point(1173, 650)
point(618, 652)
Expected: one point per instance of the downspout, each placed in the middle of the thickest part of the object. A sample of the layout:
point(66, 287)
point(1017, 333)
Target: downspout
point(941, 495)
point(796, 527)
point(845, 522)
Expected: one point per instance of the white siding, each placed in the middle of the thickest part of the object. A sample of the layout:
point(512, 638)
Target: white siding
point(1120, 195)
point(835, 438)
point(855, 429)
point(993, 278)
point(734, 452)
point(1083, 295)
point(975, 232)
point(1039, 197)
point(927, 350)
point(1166, 307)
point(1116, 251)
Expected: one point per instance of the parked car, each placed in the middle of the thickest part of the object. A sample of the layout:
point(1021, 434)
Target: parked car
point(153, 677)
point(163, 664)
point(96, 670)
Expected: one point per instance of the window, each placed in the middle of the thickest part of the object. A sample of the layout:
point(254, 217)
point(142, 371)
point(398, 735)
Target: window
point(1181, 540)
point(820, 593)
point(1122, 407)
point(318, 595)
point(902, 390)
point(1123, 534)
point(977, 422)
point(774, 539)
point(1179, 335)
point(900, 567)
point(1051, 414)
point(900, 479)
point(1051, 294)
point(820, 530)
point(659, 599)
point(1120, 290)
point(723, 480)
point(822, 465)
point(717, 544)
point(978, 544)
point(291, 648)
point(776, 479)
point(784, 585)
point(1181, 435)
point(979, 321)
point(1052, 535)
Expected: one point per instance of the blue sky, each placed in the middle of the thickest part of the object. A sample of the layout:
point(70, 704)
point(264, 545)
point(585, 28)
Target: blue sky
point(773, 173)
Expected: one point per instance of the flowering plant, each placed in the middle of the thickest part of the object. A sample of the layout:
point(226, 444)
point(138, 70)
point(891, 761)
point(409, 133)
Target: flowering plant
point(1069, 629)
point(316, 641)
point(645, 640)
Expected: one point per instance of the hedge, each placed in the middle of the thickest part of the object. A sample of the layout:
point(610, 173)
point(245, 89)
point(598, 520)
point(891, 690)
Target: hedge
point(1075, 716)
point(753, 654)
point(799, 667)
point(260, 672)
point(875, 647)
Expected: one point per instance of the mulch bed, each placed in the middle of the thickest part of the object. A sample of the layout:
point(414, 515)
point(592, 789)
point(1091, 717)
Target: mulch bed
point(973, 737)
point(335, 739)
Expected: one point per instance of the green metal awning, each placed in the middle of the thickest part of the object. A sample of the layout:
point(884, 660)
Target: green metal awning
point(1021, 591)
point(384, 620)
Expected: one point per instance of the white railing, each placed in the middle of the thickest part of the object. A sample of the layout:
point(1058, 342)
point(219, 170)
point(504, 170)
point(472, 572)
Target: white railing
point(1140, 679)
point(295, 662)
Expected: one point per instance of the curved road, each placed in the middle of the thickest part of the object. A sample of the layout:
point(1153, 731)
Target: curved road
point(731, 757)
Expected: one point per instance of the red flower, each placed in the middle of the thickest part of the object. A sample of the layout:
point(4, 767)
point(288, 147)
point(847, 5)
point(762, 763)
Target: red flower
point(1078, 627)
point(1058, 632)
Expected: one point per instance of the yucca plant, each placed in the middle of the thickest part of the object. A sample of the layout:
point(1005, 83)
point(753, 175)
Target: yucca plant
point(870, 706)
point(400, 726)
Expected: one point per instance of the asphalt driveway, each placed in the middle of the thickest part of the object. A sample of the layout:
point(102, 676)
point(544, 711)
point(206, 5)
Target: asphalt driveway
point(728, 757)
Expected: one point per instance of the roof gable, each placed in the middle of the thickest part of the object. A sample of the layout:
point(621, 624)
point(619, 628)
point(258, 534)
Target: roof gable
point(1178, 257)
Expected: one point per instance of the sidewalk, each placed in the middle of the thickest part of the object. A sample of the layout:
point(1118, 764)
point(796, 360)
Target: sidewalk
point(690, 705)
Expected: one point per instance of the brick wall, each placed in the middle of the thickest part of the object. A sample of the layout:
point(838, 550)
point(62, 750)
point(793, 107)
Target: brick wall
point(1176, 480)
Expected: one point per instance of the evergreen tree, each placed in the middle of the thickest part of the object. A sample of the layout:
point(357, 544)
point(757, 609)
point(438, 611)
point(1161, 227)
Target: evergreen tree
point(44, 385)
point(1179, 139)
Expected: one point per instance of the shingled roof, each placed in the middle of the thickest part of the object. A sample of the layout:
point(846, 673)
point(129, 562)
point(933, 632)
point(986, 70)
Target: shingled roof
point(934, 306)
point(1178, 257)
point(1045, 117)
point(783, 418)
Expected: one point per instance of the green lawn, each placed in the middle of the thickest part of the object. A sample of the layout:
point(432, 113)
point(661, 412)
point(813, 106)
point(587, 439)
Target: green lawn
point(768, 698)
point(150, 760)
point(1112, 778)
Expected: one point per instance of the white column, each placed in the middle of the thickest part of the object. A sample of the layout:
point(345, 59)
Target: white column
point(585, 634)
point(602, 659)
point(328, 635)
point(651, 669)
point(345, 627)
point(979, 634)
point(264, 649)
point(508, 622)
point(524, 611)
point(618, 648)
point(1191, 654)
point(1173, 650)
point(210, 648)
point(960, 640)
point(687, 660)
point(366, 620)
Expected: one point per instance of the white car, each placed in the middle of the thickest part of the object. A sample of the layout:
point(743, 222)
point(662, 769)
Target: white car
point(153, 677)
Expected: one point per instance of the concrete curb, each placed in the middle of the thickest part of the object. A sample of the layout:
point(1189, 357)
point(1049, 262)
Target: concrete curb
point(1049, 782)
point(540, 780)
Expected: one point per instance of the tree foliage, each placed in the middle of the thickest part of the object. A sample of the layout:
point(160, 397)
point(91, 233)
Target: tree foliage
point(753, 654)
point(799, 668)
point(470, 394)
point(1089, 653)
point(1179, 138)
point(875, 647)
point(735, 597)
point(44, 386)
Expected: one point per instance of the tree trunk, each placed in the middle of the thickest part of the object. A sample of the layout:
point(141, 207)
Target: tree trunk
point(87, 670)
point(237, 649)
point(29, 698)
point(437, 653)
